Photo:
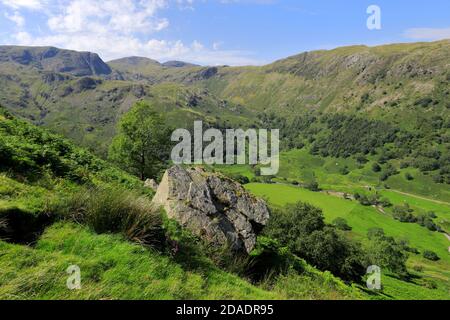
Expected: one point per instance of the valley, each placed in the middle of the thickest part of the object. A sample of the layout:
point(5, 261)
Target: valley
point(365, 139)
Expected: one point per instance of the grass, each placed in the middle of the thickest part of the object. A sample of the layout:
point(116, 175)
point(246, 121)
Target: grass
point(115, 210)
point(361, 219)
point(112, 268)
point(301, 166)
point(73, 208)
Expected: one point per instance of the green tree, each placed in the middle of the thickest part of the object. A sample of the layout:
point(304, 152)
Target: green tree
point(142, 145)
point(302, 229)
point(385, 252)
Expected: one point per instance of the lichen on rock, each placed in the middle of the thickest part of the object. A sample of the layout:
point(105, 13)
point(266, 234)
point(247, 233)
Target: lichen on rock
point(212, 206)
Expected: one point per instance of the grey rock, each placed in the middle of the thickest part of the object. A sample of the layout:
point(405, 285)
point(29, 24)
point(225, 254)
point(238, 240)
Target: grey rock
point(212, 206)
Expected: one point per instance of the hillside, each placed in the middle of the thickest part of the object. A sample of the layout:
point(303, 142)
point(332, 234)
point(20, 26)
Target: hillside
point(47, 184)
point(404, 84)
point(54, 60)
point(86, 109)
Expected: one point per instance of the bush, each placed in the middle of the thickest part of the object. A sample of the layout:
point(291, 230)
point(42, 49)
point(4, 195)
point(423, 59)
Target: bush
point(404, 214)
point(302, 229)
point(385, 252)
point(427, 222)
point(115, 210)
point(313, 186)
point(408, 176)
point(344, 171)
point(430, 255)
point(270, 258)
point(376, 167)
point(341, 224)
point(239, 178)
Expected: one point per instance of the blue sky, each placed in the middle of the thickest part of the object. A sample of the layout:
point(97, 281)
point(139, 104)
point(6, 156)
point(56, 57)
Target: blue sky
point(234, 32)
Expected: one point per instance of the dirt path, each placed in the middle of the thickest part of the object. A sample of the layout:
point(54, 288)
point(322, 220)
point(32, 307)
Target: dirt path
point(419, 197)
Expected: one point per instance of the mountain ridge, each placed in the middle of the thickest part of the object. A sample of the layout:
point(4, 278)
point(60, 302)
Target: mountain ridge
point(56, 60)
point(404, 84)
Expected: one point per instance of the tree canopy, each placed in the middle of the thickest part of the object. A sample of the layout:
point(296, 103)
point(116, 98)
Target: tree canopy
point(142, 144)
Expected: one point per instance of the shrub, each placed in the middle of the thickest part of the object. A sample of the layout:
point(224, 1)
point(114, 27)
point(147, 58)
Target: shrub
point(302, 229)
point(239, 178)
point(114, 210)
point(404, 214)
point(312, 186)
point(427, 222)
point(430, 284)
point(404, 164)
point(376, 167)
point(385, 252)
point(344, 171)
point(341, 224)
point(408, 176)
point(430, 255)
point(270, 258)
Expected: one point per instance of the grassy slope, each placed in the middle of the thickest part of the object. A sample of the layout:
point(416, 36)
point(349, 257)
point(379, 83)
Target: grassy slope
point(361, 219)
point(112, 268)
point(393, 76)
point(88, 115)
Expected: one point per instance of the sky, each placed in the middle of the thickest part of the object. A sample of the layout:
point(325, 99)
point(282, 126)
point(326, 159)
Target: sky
point(217, 32)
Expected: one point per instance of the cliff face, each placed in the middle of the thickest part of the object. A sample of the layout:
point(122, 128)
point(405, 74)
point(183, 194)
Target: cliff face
point(212, 206)
point(55, 60)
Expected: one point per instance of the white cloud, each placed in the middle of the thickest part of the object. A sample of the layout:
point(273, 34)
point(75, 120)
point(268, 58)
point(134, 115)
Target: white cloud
point(28, 4)
point(17, 18)
point(113, 47)
point(428, 33)
point(115, 29)
point(100, 16)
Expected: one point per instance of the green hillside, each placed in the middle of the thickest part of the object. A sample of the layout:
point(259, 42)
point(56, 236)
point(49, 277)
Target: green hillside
point(365, 138)
point(394, 83)
point(120, 245)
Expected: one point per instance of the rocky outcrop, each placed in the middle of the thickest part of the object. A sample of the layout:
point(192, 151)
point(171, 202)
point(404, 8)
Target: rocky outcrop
point(212, 206)
point(56, 60)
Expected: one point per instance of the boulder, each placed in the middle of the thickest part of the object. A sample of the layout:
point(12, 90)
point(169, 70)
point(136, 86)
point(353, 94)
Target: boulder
point(212, 206)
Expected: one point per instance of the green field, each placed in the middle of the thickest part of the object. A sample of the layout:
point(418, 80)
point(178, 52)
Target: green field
point(361, 219)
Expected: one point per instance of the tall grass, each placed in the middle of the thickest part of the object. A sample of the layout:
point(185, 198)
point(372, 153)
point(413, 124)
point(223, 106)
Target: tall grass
point(113, 210)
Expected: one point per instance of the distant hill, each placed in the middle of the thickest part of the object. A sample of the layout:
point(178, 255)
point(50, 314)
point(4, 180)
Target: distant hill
point(179, 64)
point(80, 96)
point(55, 60)
point(133, 62)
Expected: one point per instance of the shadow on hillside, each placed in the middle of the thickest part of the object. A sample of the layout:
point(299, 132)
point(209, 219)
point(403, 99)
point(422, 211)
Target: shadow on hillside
point(21, 227)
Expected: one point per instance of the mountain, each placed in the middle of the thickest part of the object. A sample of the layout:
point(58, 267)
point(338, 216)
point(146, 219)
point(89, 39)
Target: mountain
point(403, 84)
point(365, 137)
point(387, 82)
point(85, 104)
point(55, 60)
point(178, 64)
